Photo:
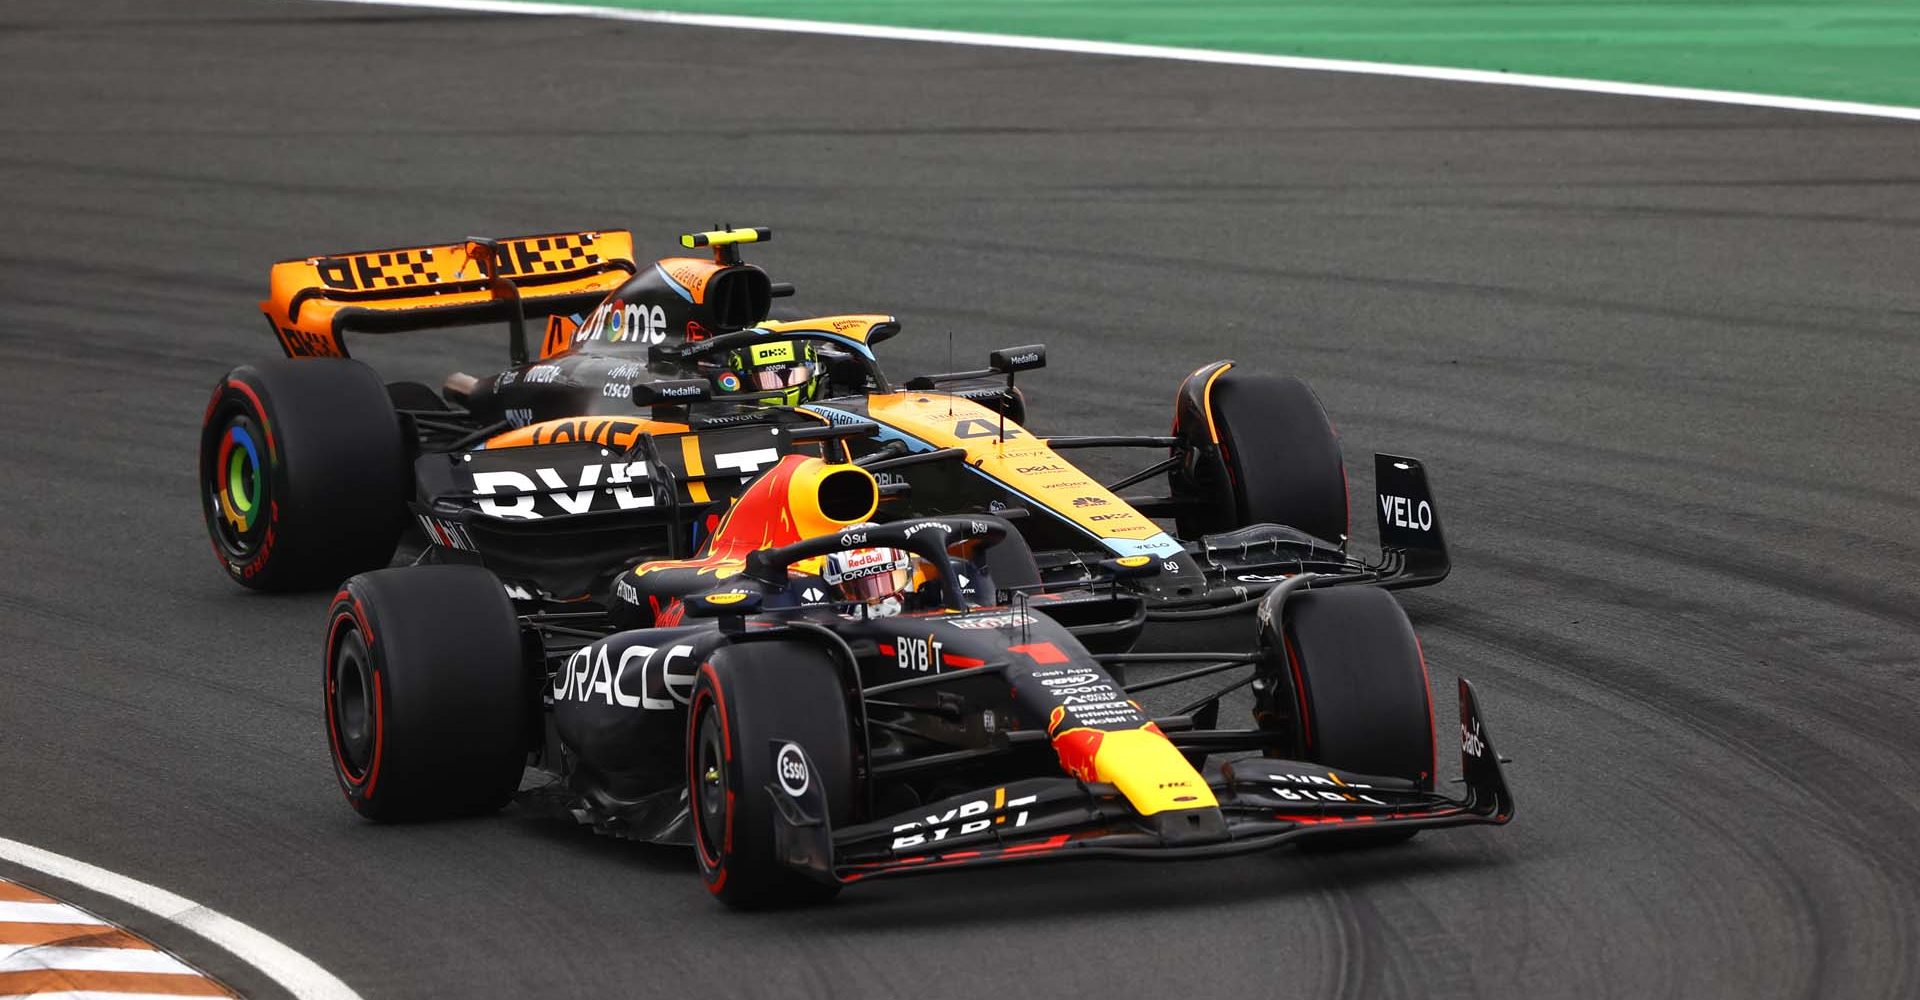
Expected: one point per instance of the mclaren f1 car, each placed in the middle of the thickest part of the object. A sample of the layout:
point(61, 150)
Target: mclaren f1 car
point(659, 392)
point(802, 733)
point(312, 468)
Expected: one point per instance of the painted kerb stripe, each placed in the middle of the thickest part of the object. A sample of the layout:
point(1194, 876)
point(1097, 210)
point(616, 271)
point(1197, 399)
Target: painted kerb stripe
point(293, 971)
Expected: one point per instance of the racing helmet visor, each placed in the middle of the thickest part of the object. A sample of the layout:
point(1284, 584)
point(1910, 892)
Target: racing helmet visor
point(866, 575)
point(875, 586)
point(779, 376)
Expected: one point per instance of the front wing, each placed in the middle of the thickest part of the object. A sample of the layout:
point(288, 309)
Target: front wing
point(1264, 802)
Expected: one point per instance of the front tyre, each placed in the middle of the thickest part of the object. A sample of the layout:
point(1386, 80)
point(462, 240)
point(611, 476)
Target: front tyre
point(427, 693)
point(1346, 677)
point(1257, 449)
point(303, 473)
point(749, 701)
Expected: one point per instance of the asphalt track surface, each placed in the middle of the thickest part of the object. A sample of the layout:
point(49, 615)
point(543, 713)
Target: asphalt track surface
point(1661, 359)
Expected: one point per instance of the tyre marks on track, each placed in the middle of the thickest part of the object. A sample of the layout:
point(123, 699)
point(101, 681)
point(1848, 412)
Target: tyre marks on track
point(1702, 857)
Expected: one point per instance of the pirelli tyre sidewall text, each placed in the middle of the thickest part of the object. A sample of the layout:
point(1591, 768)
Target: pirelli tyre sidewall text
point(750, 702)
point(303, 473)
point(426, 692)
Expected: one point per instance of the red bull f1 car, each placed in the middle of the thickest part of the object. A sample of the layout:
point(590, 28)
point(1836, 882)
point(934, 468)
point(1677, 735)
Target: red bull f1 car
point(837, 700)
point(657, 392)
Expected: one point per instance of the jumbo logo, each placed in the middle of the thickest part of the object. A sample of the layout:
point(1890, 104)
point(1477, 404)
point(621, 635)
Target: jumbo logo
point(591, 675)
point(521, 492)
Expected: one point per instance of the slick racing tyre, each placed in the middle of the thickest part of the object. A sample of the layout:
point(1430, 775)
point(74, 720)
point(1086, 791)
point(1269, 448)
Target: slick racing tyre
point(1348, 672)
point(750, 700)
point(1260, 450)
point(428, 697)
point(303, 473)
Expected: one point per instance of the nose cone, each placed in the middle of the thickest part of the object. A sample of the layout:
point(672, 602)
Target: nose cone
point(1146, 768)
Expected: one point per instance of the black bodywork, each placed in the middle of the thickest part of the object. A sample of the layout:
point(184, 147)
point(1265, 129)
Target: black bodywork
point(955, 712)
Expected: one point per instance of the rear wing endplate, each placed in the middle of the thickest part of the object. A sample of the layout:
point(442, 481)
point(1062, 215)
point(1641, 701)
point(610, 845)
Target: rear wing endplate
point(314, 301)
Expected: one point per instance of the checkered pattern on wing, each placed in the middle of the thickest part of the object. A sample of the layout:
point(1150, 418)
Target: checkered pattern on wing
point(553, 253)
point(396, 269)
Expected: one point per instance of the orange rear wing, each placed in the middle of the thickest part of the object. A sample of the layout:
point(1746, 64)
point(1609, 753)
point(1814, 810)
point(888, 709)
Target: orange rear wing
point(314, 301)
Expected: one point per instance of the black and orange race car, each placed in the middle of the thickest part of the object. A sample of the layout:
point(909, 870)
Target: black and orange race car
point(839, 700)
point(627, 434)
point(568, 465)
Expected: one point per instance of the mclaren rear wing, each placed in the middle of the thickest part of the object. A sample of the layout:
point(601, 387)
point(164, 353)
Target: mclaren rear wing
point(314, 301)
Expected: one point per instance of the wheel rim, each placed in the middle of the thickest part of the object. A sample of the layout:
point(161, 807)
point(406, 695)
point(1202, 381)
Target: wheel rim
point(710, 783)
point(350, 687)
point(237, 486)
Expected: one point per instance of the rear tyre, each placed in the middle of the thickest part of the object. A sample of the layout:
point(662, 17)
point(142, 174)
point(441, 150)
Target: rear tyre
point(748, 700)
point(1269, 456)
point(1348, 678)
point(427, 693)
point(303, 473)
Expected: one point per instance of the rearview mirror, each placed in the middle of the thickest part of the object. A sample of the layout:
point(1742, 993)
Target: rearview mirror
point(719, 603)
point(672, 392)
point(1008, 360)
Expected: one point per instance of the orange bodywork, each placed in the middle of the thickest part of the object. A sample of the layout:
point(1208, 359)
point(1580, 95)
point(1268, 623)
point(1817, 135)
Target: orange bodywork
point(614, 432)
point(1011, 454)
point(857, 328)
point(691, 273)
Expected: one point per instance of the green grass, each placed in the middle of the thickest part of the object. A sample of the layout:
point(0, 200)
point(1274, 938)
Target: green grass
point(1855, 51)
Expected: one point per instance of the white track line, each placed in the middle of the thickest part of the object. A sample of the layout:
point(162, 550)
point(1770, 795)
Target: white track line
point(292, 970)
point(980, 38)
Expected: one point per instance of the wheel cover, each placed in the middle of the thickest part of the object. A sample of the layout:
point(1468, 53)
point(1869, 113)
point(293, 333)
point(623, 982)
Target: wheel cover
point(237, 486)
point(710, 784)
point(349, 693)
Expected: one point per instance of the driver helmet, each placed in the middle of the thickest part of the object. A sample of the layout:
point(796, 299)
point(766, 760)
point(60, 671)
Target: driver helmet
point(790, 367)
point(871, 582)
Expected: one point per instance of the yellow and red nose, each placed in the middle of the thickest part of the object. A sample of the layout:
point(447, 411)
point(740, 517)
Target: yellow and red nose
point(1148, 769)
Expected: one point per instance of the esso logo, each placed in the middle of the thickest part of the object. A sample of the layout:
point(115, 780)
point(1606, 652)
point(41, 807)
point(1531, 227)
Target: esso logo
point(791, 766)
